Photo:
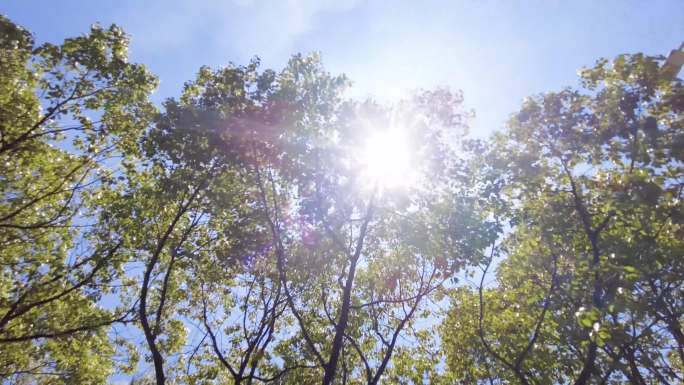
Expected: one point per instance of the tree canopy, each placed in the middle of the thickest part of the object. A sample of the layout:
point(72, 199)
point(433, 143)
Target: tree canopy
point(261, 227)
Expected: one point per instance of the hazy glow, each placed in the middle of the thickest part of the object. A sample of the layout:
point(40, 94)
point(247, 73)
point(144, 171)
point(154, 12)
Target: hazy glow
point(386, 159)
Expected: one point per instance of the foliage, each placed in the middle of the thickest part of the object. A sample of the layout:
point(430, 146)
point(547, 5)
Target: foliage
point(233, 236)
point(590, 184)
point(65, 110)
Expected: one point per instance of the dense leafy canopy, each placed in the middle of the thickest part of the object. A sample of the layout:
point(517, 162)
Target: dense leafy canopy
point(233, 235)
point(70, 115)
point(589, 183)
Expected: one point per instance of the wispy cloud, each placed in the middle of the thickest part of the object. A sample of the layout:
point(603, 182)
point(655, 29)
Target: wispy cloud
point(244, 27)
point(273, 26)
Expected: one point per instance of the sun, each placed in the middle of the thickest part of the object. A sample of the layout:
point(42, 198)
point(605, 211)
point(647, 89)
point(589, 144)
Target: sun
point(386, 160)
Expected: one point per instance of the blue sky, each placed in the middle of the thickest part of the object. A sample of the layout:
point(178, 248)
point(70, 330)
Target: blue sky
point(497, 52)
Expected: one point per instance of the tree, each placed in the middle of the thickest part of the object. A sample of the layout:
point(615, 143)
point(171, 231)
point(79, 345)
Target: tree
point(65, 111)
point(276, 154)
point(207, 253)
point(590, 185)
point(356, 267)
